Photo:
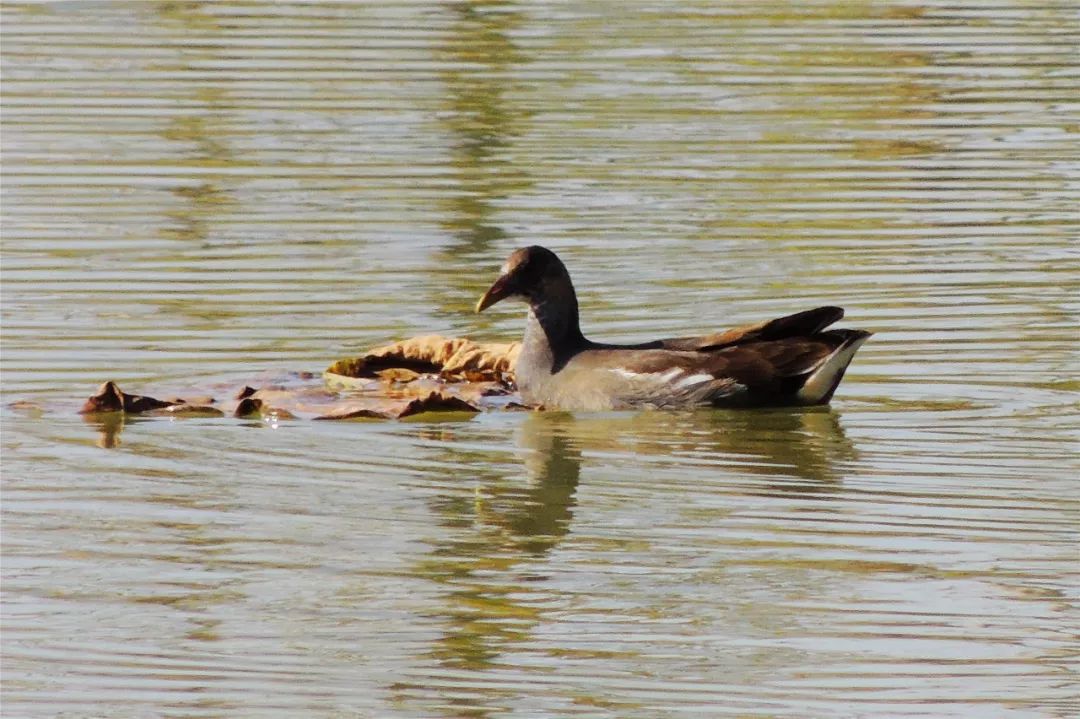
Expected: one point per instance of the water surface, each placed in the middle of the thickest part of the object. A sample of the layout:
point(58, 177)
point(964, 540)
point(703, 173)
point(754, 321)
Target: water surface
point(198, 194)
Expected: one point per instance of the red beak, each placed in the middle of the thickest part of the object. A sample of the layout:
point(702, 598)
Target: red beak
point(499, 290)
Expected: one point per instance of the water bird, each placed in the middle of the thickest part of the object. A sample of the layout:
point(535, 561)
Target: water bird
point(789, 361)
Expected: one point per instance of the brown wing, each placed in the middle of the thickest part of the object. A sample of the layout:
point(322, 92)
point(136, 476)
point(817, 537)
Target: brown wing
point(800, 324)
point(751, 363)
point(768, 363)
point(775, 371)
point(762, 372)
point(757, 363)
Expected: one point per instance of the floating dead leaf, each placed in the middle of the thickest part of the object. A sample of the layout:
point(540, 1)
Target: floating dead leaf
point(398, 374)
point(489, 361)
point(434, 354)
point(416, 376)
point(194, 401)
point(358, 411)
point(248, 407)
point(289, 402)
point(183, 409)
point(353, 367)
point(110, 398)
point(387, 408)
point(437, 402)
point(257, 407)
point(476, 391)
point(348, 383)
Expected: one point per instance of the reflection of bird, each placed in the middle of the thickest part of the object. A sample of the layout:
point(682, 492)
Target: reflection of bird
point(807, 444)
point(534, 515)
point(109, 426)
point(792, 360)
point(554, 466)
point(782, 443)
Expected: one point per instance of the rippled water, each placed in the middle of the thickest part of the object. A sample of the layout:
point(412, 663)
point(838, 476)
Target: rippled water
point(197, 194)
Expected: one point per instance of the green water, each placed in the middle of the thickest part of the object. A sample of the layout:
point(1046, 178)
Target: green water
point(203, 194)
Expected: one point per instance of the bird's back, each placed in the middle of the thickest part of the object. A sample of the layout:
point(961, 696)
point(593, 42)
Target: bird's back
point(787, 361)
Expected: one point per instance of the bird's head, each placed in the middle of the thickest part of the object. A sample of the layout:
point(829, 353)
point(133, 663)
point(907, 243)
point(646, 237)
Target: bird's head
point(532, 275)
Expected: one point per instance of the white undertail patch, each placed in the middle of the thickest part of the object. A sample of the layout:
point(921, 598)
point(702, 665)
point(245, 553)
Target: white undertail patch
point(825, 378)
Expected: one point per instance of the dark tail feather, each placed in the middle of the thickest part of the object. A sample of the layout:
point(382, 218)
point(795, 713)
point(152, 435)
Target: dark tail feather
point(801, 324)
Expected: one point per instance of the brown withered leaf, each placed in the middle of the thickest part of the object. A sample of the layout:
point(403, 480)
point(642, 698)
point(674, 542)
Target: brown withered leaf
point(434, 354)
point(351, 367)
point(475, 391)
point(288, 402)
point(183, 409)
point(256, 408)
point(201, 401)
point(488, 361)
point(344, 383)
point(389, 408)
point(248, 407)
point(110, 398)
point(398, 374)
point(437, 402)
point(416, 376)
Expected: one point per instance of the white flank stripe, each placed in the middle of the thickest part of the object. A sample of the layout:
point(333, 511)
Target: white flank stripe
point(666, 376)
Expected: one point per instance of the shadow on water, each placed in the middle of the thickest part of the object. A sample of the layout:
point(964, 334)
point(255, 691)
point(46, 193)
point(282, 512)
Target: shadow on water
point(491, 558)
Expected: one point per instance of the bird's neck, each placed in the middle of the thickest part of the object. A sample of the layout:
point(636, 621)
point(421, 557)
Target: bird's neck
point(552, 333)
